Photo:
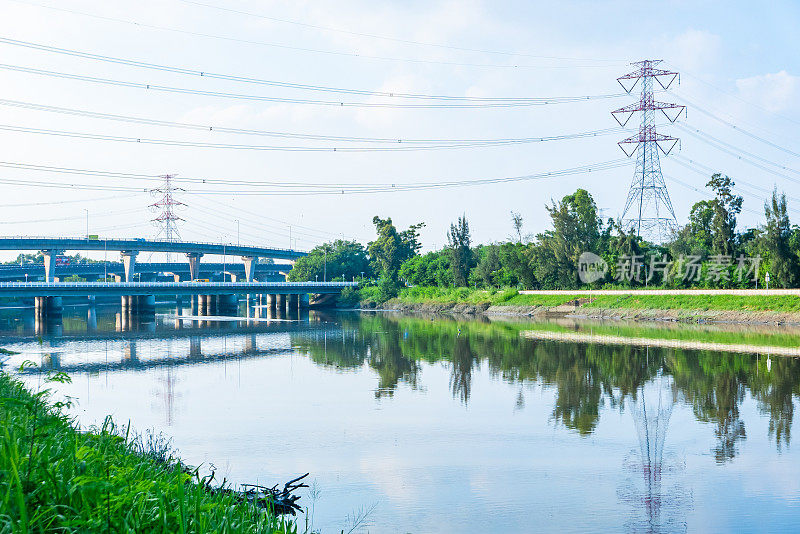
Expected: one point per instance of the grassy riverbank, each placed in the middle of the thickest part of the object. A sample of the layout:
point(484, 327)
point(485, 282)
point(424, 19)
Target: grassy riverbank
point(482, 299)
point(55, 478)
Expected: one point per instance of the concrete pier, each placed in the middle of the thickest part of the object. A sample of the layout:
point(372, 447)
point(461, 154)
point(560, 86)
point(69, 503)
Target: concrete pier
point(228, 304)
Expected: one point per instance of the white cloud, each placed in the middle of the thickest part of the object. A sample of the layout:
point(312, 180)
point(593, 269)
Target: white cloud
point(774, 91)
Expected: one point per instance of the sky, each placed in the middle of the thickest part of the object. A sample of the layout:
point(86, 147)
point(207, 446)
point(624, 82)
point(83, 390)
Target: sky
point(739, 77)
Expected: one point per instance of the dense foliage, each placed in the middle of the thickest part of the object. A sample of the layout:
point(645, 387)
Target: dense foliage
point(708, 251)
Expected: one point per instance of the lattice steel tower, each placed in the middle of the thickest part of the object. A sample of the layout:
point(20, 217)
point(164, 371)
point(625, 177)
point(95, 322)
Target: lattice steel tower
point(167, 221)
point(648, 209)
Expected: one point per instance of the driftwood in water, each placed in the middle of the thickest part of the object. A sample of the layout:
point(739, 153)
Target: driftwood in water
point(281, 502)
point(278, 501)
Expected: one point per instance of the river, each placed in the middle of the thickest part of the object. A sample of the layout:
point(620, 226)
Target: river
point(413, 423)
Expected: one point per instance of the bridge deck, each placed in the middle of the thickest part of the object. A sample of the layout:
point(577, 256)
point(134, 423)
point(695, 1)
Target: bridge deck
point(144, 245)
point(64, 289)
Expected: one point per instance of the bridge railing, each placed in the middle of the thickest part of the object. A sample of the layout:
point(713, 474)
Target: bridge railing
point(134, 239)
point(120, 285)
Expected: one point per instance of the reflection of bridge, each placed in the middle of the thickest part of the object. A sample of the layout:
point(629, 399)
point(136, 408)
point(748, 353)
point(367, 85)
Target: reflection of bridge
point(207, 298)
point(194, 354)
point(267, 272)
point(130, 248)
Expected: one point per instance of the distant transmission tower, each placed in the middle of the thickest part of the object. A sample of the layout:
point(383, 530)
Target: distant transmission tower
point(648, 209)
point(167, 221)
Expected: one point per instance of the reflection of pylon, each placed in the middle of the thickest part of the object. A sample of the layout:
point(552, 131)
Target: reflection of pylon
point(648, 209)
point(660, 504)
point(167, 221)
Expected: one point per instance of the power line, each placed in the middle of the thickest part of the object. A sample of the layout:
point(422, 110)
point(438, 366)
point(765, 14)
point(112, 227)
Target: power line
point(306, 101)
point(738, 128)
point(731, 149)
point(398, 147)
point(283, 46)
point(59, 202)
point(293, 189)
point(314, 137)
point(737, 97)
point(257, 81)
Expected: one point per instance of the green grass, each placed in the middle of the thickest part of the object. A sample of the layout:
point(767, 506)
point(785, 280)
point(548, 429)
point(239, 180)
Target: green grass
point(680, 331)
point(54, 478)
point(510, 297)
point(759, 303)
point(463, 295)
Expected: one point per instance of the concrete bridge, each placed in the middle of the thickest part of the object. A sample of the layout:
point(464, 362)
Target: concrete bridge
point(267, 272)
point(207, 298)
point(129, 249)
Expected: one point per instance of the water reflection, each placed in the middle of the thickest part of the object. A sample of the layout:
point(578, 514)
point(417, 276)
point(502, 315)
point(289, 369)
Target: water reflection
point(586, 377)
point(453, 425)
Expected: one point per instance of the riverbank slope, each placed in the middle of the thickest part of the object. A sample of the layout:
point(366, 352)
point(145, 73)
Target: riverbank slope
point(774, 306)
point(56, 478)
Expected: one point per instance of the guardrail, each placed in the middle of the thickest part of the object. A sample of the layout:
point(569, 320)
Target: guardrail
point(139, 285)
point(165, 241)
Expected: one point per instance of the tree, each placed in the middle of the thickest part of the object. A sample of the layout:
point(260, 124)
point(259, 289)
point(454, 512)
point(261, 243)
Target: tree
point(726, 206)
point(458, 241)
point(330, 261)
point(431, 269)
point(775, 241)
point(487, 269)
point(576, 229)
point(516, 220)
point(392, 248)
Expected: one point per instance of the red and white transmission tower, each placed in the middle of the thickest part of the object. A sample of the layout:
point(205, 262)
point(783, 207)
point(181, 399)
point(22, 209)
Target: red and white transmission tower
point(648, 209)
point(167, 221)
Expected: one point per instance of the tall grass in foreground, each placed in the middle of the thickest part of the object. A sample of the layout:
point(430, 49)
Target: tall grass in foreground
point(54, 478)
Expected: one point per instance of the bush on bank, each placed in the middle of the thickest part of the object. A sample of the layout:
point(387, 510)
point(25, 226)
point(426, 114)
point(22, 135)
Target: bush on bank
point(54, 478)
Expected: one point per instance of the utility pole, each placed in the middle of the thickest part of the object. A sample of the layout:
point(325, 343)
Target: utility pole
point(87, 223)
point(648, 208)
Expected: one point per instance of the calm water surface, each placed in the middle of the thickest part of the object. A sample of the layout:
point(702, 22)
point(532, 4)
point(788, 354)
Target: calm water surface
point(452, 425)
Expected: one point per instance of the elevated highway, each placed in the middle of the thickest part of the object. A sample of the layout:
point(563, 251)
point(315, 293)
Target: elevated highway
point(266, 272)
point(129, 249)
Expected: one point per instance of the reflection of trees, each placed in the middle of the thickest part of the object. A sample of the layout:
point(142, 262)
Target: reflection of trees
point(713, 383)
point(461, 373)
point(774, 386)
point(585, 376)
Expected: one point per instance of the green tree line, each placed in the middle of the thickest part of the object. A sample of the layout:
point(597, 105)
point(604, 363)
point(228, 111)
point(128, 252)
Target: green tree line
point(710, 250)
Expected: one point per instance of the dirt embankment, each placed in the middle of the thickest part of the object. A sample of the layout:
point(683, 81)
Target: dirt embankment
point(576, 309)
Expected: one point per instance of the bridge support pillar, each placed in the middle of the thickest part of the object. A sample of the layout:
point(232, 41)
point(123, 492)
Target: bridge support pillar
point(228, 304)
point(129, 262)
point(54, 307)
point(145, 304)
point(202, 305)
point(249, 267)
point(280, 304)
point(194, 264)
point(50, 264)
point(271, 301)
point(212, 304)
point(304, 301)
point(294, 302)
